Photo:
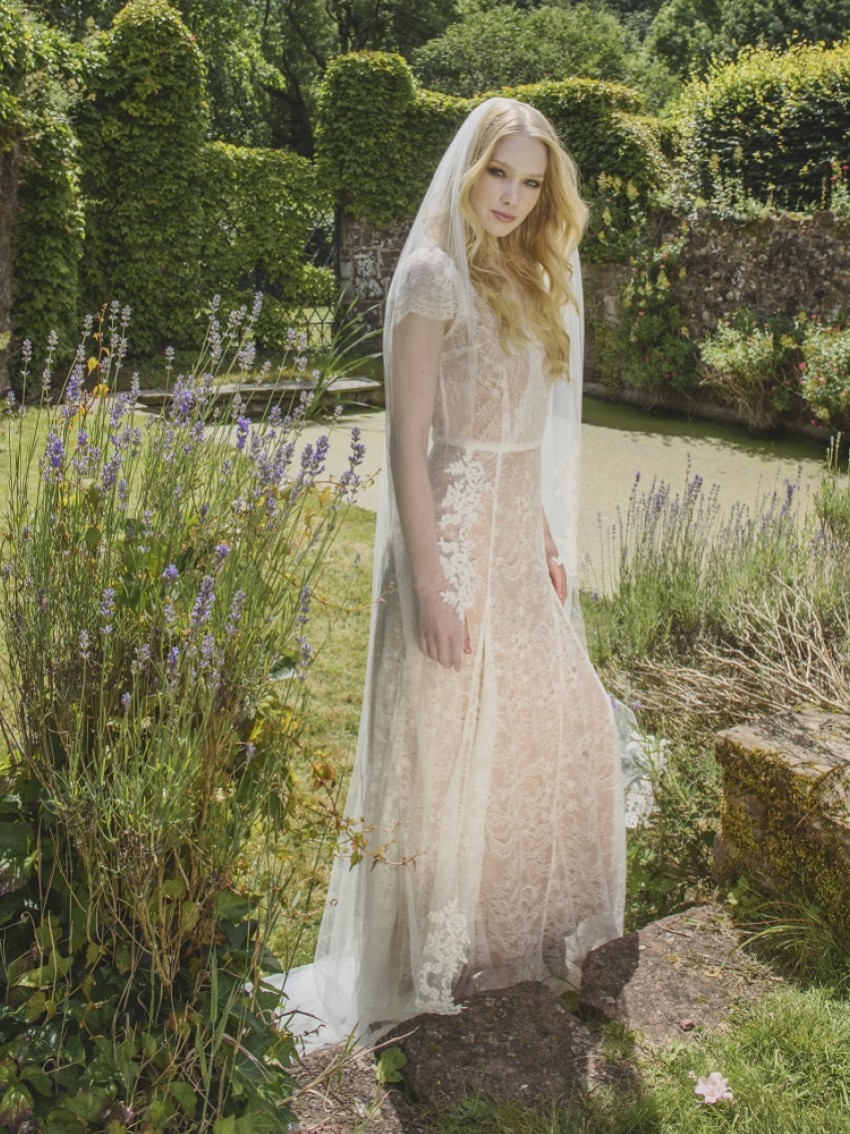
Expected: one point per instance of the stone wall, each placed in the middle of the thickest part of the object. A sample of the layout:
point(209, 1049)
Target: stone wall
point(774, 266)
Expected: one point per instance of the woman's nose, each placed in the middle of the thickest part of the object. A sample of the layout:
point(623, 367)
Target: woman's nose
point(510, 192)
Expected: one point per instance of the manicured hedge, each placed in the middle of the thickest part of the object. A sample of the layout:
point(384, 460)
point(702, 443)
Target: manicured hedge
point(37, 66)
point(260, 208)
point(380, 137)
point(143, 132)
point(775, 120)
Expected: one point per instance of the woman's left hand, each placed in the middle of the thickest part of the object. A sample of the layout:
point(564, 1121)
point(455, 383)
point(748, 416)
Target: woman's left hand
point(557, 573)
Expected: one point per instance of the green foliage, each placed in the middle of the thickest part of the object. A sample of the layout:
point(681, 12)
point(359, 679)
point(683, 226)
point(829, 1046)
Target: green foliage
point(684, 34)
point(37, 70)
point(156, 592)
point(753, 367)
point(781, 119)
point(832, 501)
point(142, 134)
point(825, 372)
point(379, 137)
point(669, 853)
point(260, 208)
point(510, 47)
point(372, 110)
point(651, 349)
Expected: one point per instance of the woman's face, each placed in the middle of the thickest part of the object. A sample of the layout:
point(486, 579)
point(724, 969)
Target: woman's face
point(509, 188)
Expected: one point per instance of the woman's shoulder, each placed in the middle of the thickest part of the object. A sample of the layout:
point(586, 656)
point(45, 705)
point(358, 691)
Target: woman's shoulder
point(427, 283)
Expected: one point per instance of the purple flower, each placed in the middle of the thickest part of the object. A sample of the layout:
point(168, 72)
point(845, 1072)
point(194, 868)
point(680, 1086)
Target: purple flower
point(202, 608)
point(207, 649)
point(125, 701)
point(84, 642)
point(171, 574)
point(182, 401)
point(107, 609)
point(222, 550)
point(109, 475)
point(173, 659)
point(54, 452)
point(235, 614)
point(243, 425)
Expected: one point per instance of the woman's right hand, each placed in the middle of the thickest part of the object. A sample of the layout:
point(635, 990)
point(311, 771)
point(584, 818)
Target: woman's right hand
point(442, 635)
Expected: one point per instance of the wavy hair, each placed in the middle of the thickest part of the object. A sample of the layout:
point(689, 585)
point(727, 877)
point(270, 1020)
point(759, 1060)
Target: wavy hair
point(537, 254)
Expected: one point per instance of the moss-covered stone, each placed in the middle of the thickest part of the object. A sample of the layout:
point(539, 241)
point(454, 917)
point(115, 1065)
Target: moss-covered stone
point(785, 819)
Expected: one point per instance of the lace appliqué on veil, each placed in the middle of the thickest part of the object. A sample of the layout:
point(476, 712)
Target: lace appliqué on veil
point(444, 955)
point(463, 501)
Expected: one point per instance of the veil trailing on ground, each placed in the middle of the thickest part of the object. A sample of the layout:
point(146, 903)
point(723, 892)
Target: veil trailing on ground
point(433, 279)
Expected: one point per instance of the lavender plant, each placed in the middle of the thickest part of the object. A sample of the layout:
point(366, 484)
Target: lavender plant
point(157, 577)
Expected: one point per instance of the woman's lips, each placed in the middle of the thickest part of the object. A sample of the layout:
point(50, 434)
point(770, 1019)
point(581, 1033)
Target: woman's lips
point(506, 217)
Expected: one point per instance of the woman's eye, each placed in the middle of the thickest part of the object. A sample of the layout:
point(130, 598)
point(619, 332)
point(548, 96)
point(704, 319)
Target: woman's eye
point(532, 184)
point(494, 169)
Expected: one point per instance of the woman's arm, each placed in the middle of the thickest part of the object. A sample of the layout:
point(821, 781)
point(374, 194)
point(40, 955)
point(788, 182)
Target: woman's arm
point(557, 571)
point(417, 343)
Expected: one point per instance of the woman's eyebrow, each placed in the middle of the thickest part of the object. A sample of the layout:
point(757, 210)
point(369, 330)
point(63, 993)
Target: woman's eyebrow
point(507, 165)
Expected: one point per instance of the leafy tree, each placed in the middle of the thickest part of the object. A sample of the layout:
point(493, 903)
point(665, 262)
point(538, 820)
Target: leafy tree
point(685, 33)
point(772, 23)
point(509, 47)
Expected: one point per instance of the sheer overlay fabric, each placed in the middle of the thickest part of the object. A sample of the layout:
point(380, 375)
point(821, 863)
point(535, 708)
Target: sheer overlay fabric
point(490, 798)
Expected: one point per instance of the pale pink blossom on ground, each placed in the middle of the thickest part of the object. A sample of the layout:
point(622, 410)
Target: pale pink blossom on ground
point(713, 1088)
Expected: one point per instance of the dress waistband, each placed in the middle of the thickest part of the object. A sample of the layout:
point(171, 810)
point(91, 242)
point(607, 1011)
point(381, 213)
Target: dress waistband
point(487, 446)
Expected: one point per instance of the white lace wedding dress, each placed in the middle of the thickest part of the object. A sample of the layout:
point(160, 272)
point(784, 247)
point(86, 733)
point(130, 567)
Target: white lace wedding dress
point(492, 797)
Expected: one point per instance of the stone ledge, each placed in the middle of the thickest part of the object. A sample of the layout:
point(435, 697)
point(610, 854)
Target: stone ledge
point(785, 818)
point(672, 979)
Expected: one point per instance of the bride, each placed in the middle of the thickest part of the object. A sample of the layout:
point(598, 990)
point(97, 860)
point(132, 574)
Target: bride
point(487, 782)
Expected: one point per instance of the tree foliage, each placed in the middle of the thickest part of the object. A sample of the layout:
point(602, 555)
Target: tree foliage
point(506, 46)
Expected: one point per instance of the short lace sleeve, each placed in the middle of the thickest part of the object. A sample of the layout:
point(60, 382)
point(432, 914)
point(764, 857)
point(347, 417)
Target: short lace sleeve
point(427, 286)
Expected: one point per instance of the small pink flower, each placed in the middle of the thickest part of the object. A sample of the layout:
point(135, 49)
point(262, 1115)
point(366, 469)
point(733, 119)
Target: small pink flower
point(714, 1088)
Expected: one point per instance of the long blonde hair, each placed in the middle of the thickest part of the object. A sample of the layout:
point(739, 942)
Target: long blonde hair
point(536, 255)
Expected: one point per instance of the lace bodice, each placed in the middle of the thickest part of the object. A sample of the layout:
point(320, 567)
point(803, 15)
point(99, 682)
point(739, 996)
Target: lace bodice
point(487, 397)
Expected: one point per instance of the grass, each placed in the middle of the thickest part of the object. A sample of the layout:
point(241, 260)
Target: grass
point(787, 1060)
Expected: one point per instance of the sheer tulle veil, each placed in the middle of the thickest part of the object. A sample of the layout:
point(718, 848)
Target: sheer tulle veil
point(329, 988)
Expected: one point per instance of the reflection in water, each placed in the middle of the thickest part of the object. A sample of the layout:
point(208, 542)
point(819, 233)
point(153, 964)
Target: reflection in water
point(608, 415)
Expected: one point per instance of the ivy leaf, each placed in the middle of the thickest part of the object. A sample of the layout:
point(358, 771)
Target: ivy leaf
point(389, 1064)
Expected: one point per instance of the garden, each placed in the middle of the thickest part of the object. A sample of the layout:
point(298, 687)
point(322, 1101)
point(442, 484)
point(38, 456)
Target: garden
point(186, 593)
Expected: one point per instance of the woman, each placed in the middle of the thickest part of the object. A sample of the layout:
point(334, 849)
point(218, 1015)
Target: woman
point(487, 775)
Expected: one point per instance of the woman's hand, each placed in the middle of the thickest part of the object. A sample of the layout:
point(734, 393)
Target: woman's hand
point(557, 572)
point(442, 635)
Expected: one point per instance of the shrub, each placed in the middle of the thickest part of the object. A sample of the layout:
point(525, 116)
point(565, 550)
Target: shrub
point(40, 153)
point(156, 584)
point(750, 366)
point(656, 352)
point(372, 110)
point(260, 208)
point(825, 373)
point(142, 130)
point(780, 117)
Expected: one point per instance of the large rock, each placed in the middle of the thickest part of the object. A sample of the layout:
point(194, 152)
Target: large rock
point(785, 820)
point(672, 979)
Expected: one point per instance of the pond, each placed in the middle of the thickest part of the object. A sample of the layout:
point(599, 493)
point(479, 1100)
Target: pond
point(620, 441)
